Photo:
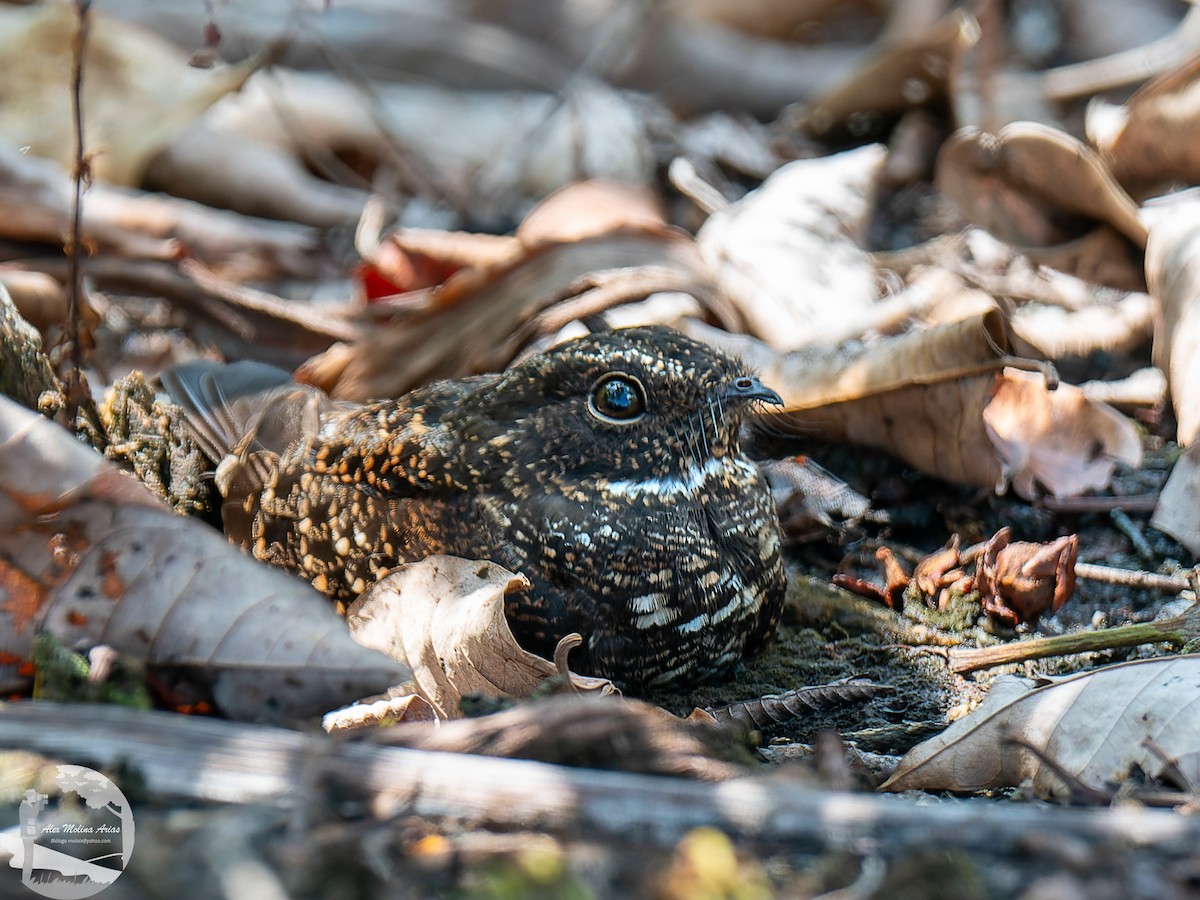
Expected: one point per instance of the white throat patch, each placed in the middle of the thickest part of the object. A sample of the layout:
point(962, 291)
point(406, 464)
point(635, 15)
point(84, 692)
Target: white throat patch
point(688, 483)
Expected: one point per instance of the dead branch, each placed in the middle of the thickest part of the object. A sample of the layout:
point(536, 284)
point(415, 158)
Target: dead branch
point(213, 760)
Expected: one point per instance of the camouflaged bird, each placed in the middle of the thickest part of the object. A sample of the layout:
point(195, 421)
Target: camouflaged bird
point(607, 470)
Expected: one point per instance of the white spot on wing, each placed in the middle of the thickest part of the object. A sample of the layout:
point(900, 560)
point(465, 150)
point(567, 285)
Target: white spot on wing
point(646, 603)
point(663, 616)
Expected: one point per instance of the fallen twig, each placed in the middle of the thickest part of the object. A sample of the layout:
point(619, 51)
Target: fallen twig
point(213, 760)
point(1176, 631)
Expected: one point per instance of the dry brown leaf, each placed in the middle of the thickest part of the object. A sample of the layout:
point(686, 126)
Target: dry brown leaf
point(595, 731)
point(1058, 440)
point(1173, 273)
point(919, 396)
point(1178, 510)
point(964, 342)
point(1019, 580)
point(929, 398)
point(1098, 726)
point(1152, 140)
point(409, 261)
point(585, 209)
point(1034, 186)
point(40, 299)
point(412, 259)
point(788, 254)
point(443, 617)
point(898, 75)
point(137, 92)
point(90, 555)
point(480, 319)
point(812, 501)
point(779, 19)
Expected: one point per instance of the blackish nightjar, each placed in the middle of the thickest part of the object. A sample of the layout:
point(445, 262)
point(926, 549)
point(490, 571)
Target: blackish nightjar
point(607, 470)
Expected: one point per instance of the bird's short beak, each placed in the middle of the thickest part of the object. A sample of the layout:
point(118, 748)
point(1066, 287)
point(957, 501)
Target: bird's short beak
point(747, 387)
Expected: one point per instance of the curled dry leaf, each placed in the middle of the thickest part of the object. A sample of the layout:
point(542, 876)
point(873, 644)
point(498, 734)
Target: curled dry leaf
point(811, 501)
point(929, 398)
point(1058, 440)
point(1041, 189)
point(91, 556)
point(138, 89)
point(1152, 139)
point(1178, 509)
point(900, 74)
point(1098, 726)
point(443, 617)
point(1048, 332)
point(788, 253)
point(891, 593)
point(919, 396)
point(1018, 580)
point(410, 259)
point(1173, 273)
point(40, 299)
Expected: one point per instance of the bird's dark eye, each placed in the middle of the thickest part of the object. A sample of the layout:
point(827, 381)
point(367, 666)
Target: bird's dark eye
point(617, 398)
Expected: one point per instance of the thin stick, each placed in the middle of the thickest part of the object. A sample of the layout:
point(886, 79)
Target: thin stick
point(1132, 578)
point(1132, 502)
point(1176, 631)
point(81, 173)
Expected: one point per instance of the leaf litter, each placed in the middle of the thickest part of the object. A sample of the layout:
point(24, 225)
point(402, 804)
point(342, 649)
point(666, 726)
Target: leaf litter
point(953, 370)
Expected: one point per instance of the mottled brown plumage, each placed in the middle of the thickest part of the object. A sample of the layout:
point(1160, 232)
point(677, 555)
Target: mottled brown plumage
point(607, 470)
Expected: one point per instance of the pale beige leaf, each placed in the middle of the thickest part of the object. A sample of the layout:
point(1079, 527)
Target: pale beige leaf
point(1050, 332)
point(138, 89)
point(91, 556)
point(1023, 182)
point(919, 396)
point(379, 713)
point(1097, 726)
point(1178, 509)
point(1154, 138)
point(443, 617)
point(930, 397)
point(788, 254)
point(1173, 274)
point(1058, 439)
